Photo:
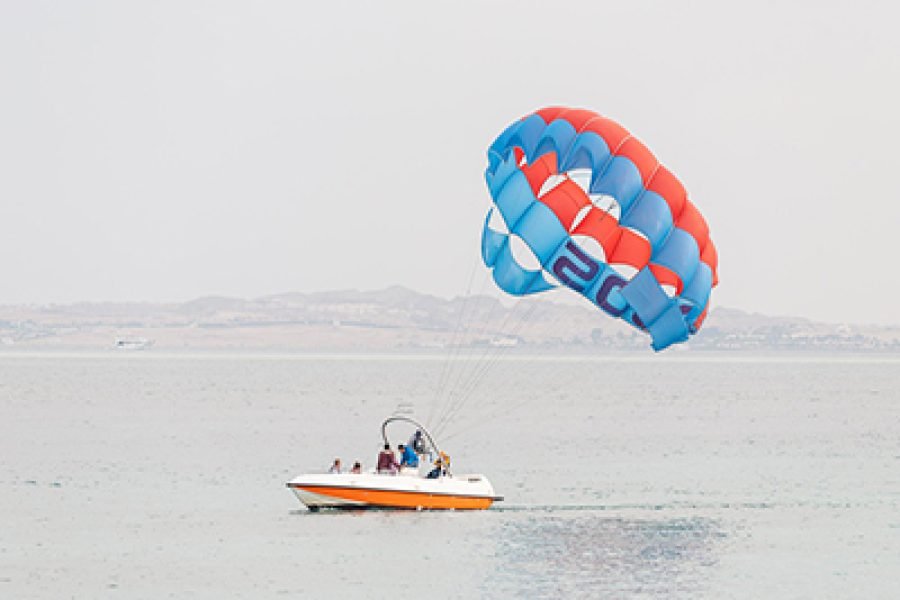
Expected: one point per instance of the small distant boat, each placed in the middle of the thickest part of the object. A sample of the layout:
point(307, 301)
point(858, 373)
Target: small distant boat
point(404, 490)
point(133, 343)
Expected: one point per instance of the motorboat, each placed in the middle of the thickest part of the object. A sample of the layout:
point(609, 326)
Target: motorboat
point(376, 490)
point(405, 489)
point(133, 343)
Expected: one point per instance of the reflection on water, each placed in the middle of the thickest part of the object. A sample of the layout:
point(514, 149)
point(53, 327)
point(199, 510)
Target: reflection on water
point(581, 551)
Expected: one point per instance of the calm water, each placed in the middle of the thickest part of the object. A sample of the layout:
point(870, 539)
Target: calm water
point(148, 476)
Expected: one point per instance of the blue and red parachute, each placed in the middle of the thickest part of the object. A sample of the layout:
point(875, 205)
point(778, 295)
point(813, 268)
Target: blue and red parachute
point(596, 212)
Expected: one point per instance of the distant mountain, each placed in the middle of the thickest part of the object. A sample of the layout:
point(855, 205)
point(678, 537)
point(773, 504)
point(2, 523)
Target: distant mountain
point(400, 319)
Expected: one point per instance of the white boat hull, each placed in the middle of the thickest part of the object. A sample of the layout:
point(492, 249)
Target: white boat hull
point(411, 491)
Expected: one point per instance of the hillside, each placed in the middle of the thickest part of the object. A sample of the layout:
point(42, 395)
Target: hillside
point(398, 319)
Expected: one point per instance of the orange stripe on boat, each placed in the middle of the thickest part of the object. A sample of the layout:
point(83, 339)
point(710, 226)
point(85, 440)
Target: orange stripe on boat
point(400, 499)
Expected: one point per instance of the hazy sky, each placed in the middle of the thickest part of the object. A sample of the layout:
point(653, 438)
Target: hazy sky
point(167, 150)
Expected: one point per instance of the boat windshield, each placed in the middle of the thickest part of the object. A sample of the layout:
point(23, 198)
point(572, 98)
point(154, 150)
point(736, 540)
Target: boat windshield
point(422, 442)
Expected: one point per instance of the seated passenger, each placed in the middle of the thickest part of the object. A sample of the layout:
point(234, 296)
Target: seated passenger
point(335, 466)
point(445, 463)
point(408, 457)
point(387, 462)
point(437, 471)
point(357, 468)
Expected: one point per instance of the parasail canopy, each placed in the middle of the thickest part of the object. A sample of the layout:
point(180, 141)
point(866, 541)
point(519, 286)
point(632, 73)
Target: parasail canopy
point(578, 202)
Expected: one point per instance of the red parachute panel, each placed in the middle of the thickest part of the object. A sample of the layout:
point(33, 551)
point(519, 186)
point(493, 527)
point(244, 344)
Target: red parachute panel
point(667, 185)
point(602, 227)
point(710, 256)
point(642, 158)
point(693, 222)
point(566, 200)
point(538, 171)
point(578, 117)
point(633, 249)
point(551, 113)
point(611, 132)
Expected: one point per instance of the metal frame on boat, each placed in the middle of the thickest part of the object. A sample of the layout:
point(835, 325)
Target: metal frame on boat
point(408, 489)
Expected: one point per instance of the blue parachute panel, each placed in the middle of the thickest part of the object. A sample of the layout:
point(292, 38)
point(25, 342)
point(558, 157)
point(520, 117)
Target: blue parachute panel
point(651, 216)
point(491, 242)
point(541, 230)
point(659, 314)
point(669, 328)
point(500, 145)
point(606, 293)
point(497, 176)
point(557, 138)
point(698, 291)
point(621, 180)
point(525, 136)
point(513, 278)
point(645, 296)
point(514, 198)
point(680, 254)
point(588, 152)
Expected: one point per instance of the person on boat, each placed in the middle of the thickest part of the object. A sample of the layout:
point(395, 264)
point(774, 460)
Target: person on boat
point(335, 466)
point(408, 457)
point(357, 468)
point(417, 441)
point(387, 462)
point(437, 471)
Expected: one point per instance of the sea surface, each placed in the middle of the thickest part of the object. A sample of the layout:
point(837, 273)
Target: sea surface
point(152, 475)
